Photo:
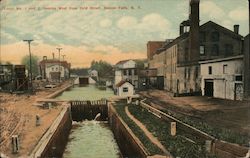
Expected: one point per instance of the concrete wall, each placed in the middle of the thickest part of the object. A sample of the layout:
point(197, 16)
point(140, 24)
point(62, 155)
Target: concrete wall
point(53, 142)
point(129, 144)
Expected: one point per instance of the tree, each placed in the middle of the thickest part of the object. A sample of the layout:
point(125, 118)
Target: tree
point(104, 68)
point(34, 66)
point(140, 64)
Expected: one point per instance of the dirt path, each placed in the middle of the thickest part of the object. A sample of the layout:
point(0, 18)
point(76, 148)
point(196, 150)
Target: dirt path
point(17, 117)
point(151, 137)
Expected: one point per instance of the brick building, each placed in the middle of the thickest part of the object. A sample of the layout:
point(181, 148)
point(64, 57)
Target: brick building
point(178, 61)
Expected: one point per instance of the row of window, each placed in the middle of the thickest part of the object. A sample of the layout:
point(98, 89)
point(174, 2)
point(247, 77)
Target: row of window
point(225, 69)
point(56, 68)
point(129, 72)
point(214, 36)
point(215, 49)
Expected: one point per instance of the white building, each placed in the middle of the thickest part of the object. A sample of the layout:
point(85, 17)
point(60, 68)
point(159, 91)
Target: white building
point(126, 70)
point(125, 89)
point(222, 78)
point(54, 70)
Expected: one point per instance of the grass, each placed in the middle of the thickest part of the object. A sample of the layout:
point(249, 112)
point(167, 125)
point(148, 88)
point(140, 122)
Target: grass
point(178, 145)
point(152, 149)
point(219, 133)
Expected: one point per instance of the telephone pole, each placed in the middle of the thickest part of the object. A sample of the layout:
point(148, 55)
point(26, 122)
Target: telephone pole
point(31, 85)
point(59, 51)
point(63, 57)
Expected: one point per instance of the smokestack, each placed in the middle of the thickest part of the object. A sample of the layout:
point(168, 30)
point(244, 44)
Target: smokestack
point(194, 41)
point(181, 29)
point(236, 29)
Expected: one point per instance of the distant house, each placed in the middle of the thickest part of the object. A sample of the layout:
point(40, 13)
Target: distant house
point(125, 89)
point(223, 78)
point(54, 70)
point(93, 73)
point(126, 70)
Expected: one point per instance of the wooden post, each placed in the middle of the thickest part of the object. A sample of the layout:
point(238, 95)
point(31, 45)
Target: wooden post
point(173, 128)
point(15, 144)
point(38, 120)
point(208, 145)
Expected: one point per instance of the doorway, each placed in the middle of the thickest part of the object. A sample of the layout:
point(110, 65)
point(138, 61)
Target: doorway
point(209, 88)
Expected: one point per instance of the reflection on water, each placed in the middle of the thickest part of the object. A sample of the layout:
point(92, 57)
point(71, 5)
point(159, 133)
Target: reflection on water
point(86, 92)
point(91, 139)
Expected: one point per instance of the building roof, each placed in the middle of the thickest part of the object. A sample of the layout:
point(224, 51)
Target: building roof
point(185, 35)
point(122, 62)
point(123, 82)
point(232, 33)
point(54, 61)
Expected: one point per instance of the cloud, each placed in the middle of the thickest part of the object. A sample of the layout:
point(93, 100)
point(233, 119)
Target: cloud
point(127, 22)
point(105, 23)
point(106, 49)
point(228, 24)
point(151, 23)
point(212, 10)
point(154, 22)
point(239, 14)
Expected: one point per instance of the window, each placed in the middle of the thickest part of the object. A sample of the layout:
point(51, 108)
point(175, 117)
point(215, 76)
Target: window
point(125, 72)
point(202, 50)
point(225, 69)
point(189, 71)
point(215, 36)
point(228, 49)
point(215, 49)
point(185, 73)
point(52, 69)
point(238, 78)
point(125, 89)
point(196, 75)
point(210, 70)
point(129, 72)
point(135, 72)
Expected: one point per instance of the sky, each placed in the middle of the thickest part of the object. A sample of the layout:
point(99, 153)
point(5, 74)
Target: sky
point(109, 30)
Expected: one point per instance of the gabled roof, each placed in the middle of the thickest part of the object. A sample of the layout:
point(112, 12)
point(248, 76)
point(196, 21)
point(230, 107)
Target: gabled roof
point(122, 62)
point(186, 35)
point(123, 82)
point(232, 33)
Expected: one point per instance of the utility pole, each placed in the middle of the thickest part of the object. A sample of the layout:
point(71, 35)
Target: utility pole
point(59, 51)
point(31, 85)
point(63, 57)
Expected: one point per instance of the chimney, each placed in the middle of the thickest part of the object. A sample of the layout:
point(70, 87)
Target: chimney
point(236, 29)
point(194, 41)
point(181, 29)
point(44, 57)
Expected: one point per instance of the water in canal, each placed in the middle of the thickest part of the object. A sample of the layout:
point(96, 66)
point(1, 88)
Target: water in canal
point(90, 139)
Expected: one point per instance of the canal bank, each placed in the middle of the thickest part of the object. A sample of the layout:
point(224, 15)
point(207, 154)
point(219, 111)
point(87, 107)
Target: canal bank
point(18, 113)
point(121, 134)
